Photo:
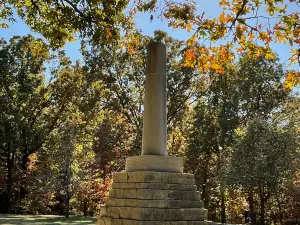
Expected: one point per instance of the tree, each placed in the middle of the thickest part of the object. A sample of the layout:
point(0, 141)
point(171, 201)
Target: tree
point(25, 102)
point(33, 107)
point(262, 158)
point(215, 118)
point(260, 86)
point(61, 21)
point(225, 102)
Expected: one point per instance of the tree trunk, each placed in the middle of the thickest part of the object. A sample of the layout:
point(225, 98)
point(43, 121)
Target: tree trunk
point(262, 205)
point(223, 208)
point(24, 164)
point(9, 184)
point(280, 211)
point(251, 208)
point(67, 203)
point(262, 211)
point(85, 208)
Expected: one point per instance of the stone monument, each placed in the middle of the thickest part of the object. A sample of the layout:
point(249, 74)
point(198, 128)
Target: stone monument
point(153, 190)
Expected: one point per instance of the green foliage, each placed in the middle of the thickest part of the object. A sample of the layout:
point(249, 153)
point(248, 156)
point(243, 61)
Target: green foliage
point(61, 21)
point(225, 103)
point(264, 158)
point(264, 155)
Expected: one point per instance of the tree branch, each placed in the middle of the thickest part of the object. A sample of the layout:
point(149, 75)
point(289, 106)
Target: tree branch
point(238, 13)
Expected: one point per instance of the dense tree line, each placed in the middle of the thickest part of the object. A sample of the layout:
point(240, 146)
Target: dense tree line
point(66, 127)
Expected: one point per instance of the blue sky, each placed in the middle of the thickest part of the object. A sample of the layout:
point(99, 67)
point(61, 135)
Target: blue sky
point(211, 9)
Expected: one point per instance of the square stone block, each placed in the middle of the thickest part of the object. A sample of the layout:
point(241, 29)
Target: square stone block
point(183, 187)
point(115, 202)
point(148, 177)
point(188, 214)
point(116, 193)
point(160, 178)
point(146, 203)
point(129, 193)
point(152, 194)
point(154, 163)
point(104, 221)
point(178, 223)
point(185, 195)
point(120, 177)
point(161, 186)
point(135, 222)
point(185, 204)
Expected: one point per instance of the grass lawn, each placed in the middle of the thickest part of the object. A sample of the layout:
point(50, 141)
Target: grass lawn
point(44, 220)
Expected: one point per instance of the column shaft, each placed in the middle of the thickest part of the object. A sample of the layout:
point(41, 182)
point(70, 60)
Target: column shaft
point(155, 104)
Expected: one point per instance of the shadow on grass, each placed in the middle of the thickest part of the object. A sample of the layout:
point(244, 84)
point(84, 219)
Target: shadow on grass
point(44, 220)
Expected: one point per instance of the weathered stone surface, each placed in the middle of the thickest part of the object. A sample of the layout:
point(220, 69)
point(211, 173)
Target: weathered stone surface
point(147, 197)
point(152, 194)
point(186, 214)
point(161, 214)
point(147, 203)
point(130, 193)
point(102, 209)
point(120, 177)
point(178, 223)
point(184, 195)
point(185, 204)
point(183, 187)
point(157, 177)
point(151, 203)
point(105, 221)
point(148, 177)
point(154, 163)
point(115, 202)
point(136, 222)
point(116, 193)
point(112, 221)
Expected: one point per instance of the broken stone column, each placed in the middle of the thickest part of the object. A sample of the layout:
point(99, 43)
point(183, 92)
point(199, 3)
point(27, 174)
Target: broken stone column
point(153, 190)
point(154, 147)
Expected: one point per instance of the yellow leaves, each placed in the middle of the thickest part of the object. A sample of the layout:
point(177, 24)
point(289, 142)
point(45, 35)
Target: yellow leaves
point(190, 58)
point(251, 36)
point(189, 27)
point(72, 40)
point(224, 3)
point(192, 40)
point(217, 67)
point(130, 49)
point(32, 160)
point(224, 18)
point(269, 56)
point(292, 79)
point(263, 35)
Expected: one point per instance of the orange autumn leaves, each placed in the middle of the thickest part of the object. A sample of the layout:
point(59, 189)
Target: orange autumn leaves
point(209, 59)
point(242, 27)
point(292, 79)
point(242, 30)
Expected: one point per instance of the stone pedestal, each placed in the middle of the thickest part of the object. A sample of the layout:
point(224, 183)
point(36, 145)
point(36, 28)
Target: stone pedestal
point(153, 198)
point(154, 163)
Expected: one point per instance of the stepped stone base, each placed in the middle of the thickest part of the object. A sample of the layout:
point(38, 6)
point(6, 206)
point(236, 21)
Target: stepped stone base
point(153, 198)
